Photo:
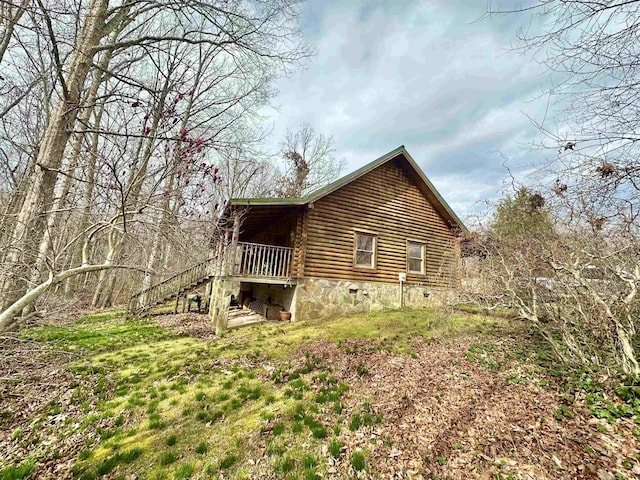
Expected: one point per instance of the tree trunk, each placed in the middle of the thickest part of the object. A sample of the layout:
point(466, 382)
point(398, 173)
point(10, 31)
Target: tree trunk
point(9, 211)
point(8, 316)
point(12, 20)
point(100, 287)
point(107, 296)
point(42, 179)
point(222, 314)
point(81, 281)
point(627, 353)
point(66, 181)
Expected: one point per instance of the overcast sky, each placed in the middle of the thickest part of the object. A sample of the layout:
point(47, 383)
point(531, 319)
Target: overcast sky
point(425, 74)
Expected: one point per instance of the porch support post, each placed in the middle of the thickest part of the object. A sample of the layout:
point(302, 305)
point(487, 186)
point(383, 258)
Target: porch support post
point(217, 274)
point(222, 313)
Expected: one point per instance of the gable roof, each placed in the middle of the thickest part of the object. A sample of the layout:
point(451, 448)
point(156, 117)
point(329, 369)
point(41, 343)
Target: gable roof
point(412, 168)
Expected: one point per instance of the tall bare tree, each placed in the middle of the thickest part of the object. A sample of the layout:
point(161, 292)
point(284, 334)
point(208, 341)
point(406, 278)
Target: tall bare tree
point(592, 52)
point(309, 162)
point(146, 98)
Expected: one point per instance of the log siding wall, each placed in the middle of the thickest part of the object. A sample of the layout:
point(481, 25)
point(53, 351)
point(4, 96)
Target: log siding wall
point(385, 202)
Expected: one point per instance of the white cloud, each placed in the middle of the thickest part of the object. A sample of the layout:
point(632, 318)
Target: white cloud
point(420, 74)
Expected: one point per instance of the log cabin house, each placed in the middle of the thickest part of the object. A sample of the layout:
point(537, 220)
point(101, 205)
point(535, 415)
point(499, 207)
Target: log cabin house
point(381, 237)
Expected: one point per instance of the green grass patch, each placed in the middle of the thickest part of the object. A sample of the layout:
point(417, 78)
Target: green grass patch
point(358, 461)
point(285, 464)
point(391, 330)
point(184, 471)
point(178, 407)
point(228, 461)
point(335, 448)
point(98, 335)
point(355, 422)
point(118, 459)
point(18, 472)
point(278, 429)
point(167, 458)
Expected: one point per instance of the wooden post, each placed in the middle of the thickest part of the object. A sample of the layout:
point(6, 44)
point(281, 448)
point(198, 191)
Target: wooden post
point(175, 309)
point(215, 281)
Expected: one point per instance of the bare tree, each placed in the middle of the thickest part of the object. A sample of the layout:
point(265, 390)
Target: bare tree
point(592, 53)
point(10, 14)
point(309, 162)
point(575, 284)
point(143, 99)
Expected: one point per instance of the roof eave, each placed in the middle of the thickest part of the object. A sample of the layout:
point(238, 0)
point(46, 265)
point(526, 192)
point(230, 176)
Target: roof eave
point(318, 194)
point(445, 209)
point(245, 202)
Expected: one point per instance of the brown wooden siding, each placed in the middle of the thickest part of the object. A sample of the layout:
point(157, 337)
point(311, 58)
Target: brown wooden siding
point(385, 202)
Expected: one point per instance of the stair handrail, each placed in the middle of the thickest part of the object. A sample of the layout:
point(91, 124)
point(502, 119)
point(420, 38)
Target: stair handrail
point(155, 285)
point(278, 259)
point(189, 274)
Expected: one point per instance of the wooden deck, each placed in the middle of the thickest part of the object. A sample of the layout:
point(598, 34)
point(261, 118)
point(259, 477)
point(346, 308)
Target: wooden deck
point(245, 262)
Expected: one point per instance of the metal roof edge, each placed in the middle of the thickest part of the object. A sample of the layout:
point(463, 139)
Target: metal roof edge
point(435, 191)
point(266, 201)
point(332, 187)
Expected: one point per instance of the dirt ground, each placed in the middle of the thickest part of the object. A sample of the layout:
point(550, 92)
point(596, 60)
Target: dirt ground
point(450, 417)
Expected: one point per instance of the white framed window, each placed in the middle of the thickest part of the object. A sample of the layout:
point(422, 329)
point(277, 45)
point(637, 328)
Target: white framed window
point(364, 254)
point(415, 257)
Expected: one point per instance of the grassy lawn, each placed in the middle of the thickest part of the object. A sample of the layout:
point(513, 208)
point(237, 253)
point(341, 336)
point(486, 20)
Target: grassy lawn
point(352, 397)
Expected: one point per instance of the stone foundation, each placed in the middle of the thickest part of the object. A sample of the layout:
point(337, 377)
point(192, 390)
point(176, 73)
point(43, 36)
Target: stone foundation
point(316, 298)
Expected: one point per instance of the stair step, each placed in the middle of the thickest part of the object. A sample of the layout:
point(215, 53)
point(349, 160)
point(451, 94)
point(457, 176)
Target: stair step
point(166, 297)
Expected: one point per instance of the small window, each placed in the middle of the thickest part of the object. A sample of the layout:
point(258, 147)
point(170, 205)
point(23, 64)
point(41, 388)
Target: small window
point(415, 257)
point(365, 254)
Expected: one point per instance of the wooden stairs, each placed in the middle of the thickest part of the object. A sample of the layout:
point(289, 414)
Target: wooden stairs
point(172, 287)
point(252, 261)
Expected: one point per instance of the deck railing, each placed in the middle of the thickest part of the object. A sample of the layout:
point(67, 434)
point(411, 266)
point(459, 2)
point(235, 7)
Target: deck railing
point(249, 260)
point(258, 260)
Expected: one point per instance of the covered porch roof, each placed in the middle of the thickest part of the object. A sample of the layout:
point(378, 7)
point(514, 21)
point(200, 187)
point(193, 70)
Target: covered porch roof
point(257, 217)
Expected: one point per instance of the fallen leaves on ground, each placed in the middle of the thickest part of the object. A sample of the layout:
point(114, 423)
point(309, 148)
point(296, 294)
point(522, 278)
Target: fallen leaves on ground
point(457, 407)
point(445, 416)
